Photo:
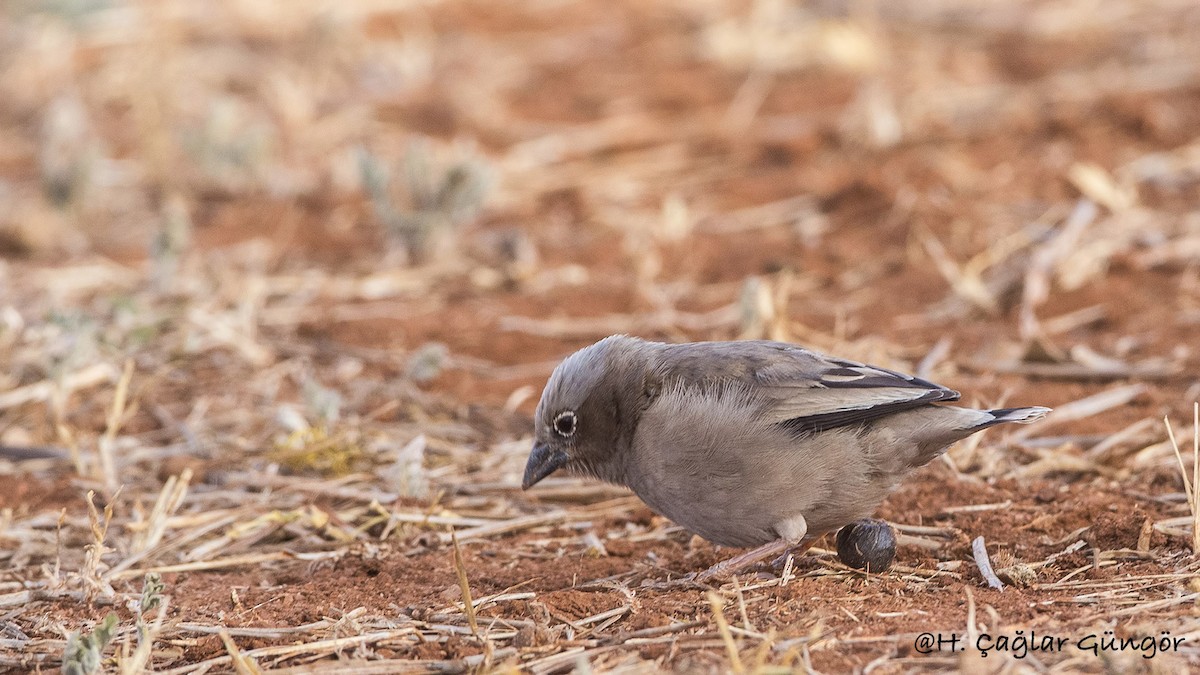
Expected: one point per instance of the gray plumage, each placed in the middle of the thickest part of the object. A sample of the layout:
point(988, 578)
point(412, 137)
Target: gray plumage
point(745, 442)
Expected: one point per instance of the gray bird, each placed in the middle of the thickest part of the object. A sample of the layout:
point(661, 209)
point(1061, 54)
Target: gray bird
point(749, 443)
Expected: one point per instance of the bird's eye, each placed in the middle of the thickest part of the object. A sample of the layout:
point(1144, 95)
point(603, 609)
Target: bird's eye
point(564, 424)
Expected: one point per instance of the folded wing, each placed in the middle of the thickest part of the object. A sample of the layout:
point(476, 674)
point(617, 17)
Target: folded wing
point(808, 391)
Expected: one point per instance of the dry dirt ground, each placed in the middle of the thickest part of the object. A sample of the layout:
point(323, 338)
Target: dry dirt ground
point(282, 281)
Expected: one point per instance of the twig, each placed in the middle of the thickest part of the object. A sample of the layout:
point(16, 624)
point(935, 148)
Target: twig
point(935, 356)
point(231, 561)
point(718, 606)
point(976, 508)
point(241, 664)
point(1083, 408)
point(656, 631)
point(44, 390)
point(1190, 485)
point(116, 416)
point(266, 633)
point(292, 650)
point(460, 568)
point(979, 551)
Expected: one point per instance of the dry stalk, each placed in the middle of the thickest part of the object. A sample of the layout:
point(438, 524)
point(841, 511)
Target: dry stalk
point(741, 598)
point(169, 500)
point(1038, 278)
point(972, 626)
point(242, 664)
point(56, 573)
point(763, 652)
point(1190, 485)
point(319, 647)
point(460, 568)
point(47, 389)
point(93, 561)
point(979, 551)
point(230, 562)
point(718, 610)
point(967, 284)
point(67, 438)
point(105, 448)
point(1083, 408)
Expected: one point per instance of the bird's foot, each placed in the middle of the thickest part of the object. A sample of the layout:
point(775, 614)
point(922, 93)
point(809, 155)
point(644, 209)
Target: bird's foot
point(686, 582)
point(727, 568)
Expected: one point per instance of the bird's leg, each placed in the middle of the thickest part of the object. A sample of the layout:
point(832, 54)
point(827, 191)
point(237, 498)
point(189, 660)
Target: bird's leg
point(799, 550)
point(792, 534)
point(740, 562)
point(724, 569)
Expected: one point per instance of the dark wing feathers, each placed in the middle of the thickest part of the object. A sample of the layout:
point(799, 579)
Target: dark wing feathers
point(813, 392)
point(807, 391)
point(852, 417)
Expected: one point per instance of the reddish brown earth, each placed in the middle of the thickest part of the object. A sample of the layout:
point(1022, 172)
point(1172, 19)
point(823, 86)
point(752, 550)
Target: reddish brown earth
point(866, 286)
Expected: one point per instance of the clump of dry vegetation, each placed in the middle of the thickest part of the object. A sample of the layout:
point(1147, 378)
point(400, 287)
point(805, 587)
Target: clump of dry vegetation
point(281, 283)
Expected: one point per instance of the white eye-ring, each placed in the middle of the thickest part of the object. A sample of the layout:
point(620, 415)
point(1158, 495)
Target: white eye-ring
point(565, 424)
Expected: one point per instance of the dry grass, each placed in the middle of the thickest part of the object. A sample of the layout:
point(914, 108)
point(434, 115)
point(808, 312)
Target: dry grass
point(282, 282)
point(1190, 484)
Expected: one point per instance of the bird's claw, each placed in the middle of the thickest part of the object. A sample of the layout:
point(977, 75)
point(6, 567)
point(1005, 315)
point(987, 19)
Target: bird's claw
point(687, 582)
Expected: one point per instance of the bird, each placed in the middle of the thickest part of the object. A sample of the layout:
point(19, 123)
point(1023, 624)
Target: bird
point(751, 444)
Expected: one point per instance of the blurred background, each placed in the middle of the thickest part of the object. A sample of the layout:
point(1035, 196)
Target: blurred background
point(290, 274)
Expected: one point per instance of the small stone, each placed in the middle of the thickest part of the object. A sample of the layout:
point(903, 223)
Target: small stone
point(868, 544)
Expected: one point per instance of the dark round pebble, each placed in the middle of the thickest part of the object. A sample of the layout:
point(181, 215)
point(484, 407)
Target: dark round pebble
point(868, 544)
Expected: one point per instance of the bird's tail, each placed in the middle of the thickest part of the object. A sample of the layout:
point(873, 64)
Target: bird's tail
point(1018, 415)
point(932, 429)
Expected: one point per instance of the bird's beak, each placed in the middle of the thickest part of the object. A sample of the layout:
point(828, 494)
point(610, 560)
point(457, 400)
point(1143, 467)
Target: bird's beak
point(543, 461)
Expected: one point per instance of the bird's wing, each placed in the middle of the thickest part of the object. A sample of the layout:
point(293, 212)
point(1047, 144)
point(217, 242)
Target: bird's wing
point(806, 391)
point(812, 392)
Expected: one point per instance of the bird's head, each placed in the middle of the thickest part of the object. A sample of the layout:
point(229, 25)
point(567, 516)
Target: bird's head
point(589, 410)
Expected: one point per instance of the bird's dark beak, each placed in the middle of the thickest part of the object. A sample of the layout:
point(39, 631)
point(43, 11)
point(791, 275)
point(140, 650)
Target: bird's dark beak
point(543, 461)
